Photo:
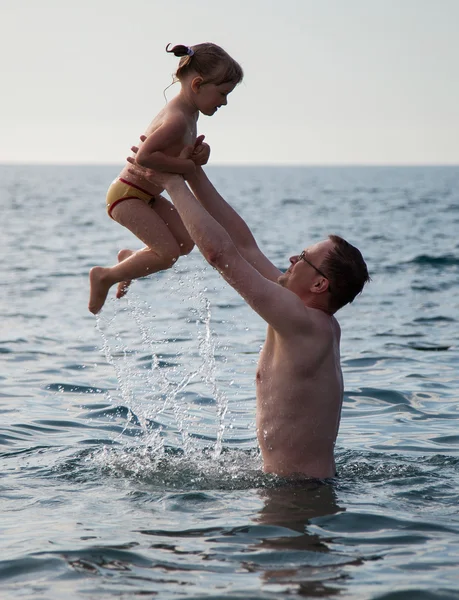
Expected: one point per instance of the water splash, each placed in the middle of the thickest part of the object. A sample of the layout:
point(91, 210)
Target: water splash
point(124, 382)
point(233, 469)
point(207, 351)
point(157, 378)
point(167, 414)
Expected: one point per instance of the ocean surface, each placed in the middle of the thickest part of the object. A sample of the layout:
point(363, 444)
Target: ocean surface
point(128, 458)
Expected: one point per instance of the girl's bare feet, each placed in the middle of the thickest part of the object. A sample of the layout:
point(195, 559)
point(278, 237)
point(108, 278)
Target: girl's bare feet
point(123, 285)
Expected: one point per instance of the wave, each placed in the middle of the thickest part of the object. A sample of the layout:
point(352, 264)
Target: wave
point(445, 260)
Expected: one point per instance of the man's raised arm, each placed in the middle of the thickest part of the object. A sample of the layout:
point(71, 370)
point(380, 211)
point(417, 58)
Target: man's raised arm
point(234, 224)
point(279, 307)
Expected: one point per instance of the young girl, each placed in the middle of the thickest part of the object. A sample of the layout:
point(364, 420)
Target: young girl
point(207, 75)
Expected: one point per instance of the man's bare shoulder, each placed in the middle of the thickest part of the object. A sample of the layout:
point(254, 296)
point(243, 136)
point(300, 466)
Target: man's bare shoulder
point(312, 322)
point(323, 322)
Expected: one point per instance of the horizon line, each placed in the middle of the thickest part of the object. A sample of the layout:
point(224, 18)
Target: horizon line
point(235, 164)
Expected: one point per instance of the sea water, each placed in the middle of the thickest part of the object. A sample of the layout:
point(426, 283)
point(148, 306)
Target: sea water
point(129, 464)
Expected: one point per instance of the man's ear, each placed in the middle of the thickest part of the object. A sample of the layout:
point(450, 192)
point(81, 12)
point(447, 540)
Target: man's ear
point(321, 285)
point(196, 83)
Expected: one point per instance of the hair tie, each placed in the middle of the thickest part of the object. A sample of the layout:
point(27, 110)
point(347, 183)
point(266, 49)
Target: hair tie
point(189, 51)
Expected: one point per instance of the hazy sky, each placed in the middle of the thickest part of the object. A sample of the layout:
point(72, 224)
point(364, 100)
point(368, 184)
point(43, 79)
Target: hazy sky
point(326, 81)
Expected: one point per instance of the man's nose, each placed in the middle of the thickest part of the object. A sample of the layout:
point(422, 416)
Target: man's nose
point(293, 259)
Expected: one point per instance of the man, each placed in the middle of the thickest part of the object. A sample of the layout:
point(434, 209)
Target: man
point(299, 379)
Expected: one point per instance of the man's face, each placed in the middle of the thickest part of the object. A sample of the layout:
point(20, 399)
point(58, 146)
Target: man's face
point(304, 270)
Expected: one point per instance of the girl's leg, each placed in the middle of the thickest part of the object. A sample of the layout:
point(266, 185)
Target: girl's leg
point(171, 218)
point(161, 252)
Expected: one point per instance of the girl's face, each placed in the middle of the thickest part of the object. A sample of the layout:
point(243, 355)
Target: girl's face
point(210, 97)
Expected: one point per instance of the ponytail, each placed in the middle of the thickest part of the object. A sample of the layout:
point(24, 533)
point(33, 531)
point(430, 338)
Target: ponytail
point(180, 50)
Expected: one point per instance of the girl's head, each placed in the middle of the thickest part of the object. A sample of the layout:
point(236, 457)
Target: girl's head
point(208, 61)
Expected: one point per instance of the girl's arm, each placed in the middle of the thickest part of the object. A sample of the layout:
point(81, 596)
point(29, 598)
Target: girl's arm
point(151, 153)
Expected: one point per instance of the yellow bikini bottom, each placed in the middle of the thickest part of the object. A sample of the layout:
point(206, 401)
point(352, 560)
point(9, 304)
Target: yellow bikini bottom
point(121, 189)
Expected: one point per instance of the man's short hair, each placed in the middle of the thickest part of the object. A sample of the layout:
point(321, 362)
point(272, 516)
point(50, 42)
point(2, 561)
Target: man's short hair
point(346, 271)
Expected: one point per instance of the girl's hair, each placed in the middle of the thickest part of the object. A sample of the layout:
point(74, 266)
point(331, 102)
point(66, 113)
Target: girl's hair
point(209, 61)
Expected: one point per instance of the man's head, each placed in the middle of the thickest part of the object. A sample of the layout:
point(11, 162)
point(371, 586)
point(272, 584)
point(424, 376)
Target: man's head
point(346, 271)
point(328, 275)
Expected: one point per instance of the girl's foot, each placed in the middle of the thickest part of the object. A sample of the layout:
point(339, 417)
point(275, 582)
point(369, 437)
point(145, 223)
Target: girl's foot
point(123, 285)
point(98, 288)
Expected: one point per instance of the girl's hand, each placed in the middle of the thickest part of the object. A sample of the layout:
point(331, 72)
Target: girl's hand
point(201, 154)
point(201, 151)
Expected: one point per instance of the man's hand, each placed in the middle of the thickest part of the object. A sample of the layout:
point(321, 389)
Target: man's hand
point(136, 169)
point(160, 177)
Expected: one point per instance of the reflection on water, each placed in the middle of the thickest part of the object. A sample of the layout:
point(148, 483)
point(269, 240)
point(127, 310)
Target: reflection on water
point(293, 506)
point(304, 557)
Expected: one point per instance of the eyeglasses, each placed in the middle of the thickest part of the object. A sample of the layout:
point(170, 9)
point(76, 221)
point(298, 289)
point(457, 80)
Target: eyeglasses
point(302, 256)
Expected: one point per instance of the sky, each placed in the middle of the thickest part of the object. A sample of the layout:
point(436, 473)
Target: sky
point(327, 82)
